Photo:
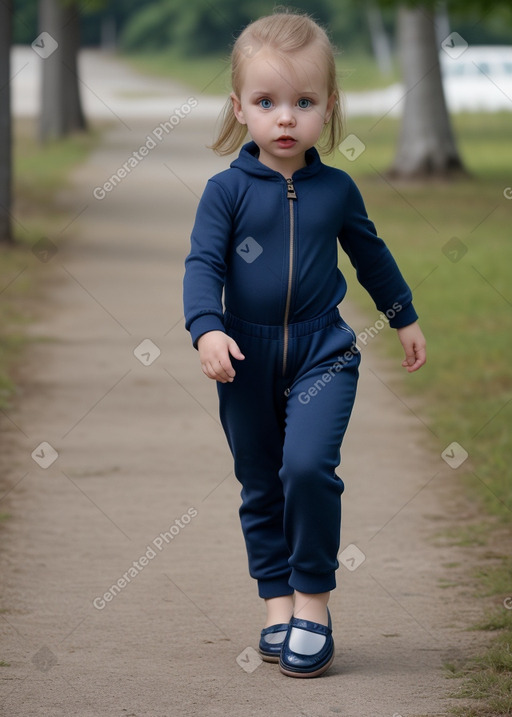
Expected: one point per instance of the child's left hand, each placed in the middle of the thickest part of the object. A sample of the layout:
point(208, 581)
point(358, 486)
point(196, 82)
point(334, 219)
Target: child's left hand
point(413, 341)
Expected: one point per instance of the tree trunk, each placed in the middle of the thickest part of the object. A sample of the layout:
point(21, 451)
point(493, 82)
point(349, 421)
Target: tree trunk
point(426, 146)
point(379, 37)
point(61, 109)
point(5, 123)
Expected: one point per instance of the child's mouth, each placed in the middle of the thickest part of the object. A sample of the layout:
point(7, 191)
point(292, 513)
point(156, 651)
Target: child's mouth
point(286, 142)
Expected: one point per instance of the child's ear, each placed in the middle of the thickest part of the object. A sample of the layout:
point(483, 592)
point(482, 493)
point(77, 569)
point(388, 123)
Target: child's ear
point(330, 107)
point(237, 108)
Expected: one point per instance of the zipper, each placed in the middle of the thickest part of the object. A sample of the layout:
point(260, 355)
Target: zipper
point(291, 196)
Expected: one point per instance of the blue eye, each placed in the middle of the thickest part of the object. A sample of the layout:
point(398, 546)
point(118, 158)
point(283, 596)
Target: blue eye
point(266, 104)
point(304, 104)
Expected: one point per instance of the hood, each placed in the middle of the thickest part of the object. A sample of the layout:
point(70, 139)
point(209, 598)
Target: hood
point(248, 162)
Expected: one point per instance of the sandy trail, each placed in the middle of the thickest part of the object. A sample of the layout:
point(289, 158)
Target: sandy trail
point(143, 487)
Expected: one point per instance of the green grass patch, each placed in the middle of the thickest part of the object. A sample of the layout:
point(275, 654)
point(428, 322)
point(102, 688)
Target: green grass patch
point(464, 306)
point(212, 75)
point(487, 681)
point(39, 172)
point(465, 309)
point(465, 536)
point(496, 579)
point(499, 619)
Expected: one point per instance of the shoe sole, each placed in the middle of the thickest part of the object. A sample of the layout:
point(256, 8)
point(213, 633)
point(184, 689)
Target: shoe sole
point(269, 658)
point(315, 673)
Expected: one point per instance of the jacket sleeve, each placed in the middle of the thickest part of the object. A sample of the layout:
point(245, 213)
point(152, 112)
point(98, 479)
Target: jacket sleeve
point(375, 266)
point(205, 266)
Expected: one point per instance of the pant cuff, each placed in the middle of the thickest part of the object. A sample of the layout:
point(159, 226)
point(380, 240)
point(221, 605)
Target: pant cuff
point(275, 587)
point(311, 583)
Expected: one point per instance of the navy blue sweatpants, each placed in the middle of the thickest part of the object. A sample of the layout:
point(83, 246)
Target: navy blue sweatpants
point(285, 432)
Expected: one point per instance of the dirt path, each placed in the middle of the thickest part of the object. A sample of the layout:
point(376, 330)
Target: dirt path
point(142, 494)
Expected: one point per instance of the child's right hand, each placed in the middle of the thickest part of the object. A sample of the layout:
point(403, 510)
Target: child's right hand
point(215, 348)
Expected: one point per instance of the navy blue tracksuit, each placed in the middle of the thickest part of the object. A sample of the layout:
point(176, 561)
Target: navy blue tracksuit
point(270, 244)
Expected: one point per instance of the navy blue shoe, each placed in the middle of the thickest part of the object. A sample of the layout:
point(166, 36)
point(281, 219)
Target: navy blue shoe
point(271, 642)
point(308, 648)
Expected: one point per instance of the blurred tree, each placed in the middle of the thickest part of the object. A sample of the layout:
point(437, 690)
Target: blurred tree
point(24, 22)
point(199, 28)
point(381, 43)
point(346, 19)
point(426, 145)
point(61, 108)
point(5, 122)
point(93, 15)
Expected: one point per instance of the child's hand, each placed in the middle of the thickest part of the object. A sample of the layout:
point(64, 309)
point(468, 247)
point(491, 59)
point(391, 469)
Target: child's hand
point(214, 349)
point(413, 341)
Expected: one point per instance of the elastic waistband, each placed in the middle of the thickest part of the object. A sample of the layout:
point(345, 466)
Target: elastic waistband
point(295, 330)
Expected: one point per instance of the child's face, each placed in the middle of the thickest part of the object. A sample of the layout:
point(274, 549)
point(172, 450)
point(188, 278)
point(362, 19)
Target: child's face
point(284, 105)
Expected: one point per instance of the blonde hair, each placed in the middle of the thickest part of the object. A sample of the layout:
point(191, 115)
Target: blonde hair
point(282, 32)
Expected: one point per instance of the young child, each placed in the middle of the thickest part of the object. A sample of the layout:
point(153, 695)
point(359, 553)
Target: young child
point(266, 233)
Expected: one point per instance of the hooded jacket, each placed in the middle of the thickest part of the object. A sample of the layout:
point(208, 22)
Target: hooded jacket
point(271, 244)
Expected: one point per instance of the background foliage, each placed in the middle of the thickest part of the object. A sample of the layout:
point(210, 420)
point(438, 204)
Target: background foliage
point(204, 27)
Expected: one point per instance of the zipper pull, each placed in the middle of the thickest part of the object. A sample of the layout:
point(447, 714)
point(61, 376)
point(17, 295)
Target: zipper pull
point(291, 189)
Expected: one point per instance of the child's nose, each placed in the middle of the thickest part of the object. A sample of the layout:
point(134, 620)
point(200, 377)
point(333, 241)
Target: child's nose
point(286, 116)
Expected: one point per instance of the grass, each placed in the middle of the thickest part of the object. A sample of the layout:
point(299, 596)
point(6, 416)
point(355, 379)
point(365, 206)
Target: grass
point(39, 171)
point(464, 306)
point(467, 536)
point(487, 681)
point(211, 75)
point(465, 312)
point(487, 678)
